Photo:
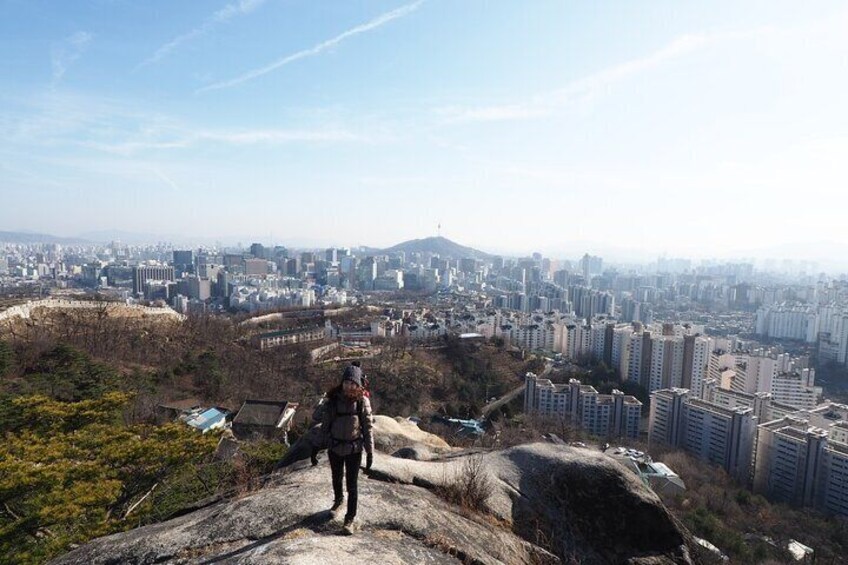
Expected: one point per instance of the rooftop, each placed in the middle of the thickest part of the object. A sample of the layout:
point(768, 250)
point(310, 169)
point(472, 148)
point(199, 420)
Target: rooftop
point(801, 434)
point(207, 420)
point(262, 412)
point(716, 409)
point(291, 331)
point(471, 336)
point(840, 448)
point(184, 405)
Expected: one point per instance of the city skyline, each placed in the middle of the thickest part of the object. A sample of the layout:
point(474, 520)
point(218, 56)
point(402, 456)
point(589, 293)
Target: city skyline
point(620, 257)
point(637, 131)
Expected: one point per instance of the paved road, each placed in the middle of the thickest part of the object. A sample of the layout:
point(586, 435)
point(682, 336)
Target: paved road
point(511, 394)
point(502, 400)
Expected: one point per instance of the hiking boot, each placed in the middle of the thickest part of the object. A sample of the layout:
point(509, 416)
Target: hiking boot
point(337, 504)
point(350, 526)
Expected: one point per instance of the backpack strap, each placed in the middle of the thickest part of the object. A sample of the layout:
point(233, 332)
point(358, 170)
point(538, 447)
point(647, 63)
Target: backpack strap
point(356, 411)
point(359, 411)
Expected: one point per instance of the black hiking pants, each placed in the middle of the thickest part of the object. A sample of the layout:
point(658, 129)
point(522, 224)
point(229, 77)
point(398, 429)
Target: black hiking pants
point(346, 465)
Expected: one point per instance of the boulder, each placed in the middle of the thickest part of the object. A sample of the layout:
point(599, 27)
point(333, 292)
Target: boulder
point(390, 435)
point(581, 505)
point(579, 502)
point(416, 453)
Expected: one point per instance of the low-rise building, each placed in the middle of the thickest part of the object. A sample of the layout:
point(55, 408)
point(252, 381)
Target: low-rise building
point(267, 419)
point(291, 337)
point(206, 420)
point(659, 476)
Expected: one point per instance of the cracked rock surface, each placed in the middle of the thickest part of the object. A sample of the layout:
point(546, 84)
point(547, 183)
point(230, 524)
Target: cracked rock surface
point(579, 503)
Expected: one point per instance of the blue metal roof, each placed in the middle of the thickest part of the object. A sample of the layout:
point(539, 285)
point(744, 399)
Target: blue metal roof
point(207, 420)
point(473, 427)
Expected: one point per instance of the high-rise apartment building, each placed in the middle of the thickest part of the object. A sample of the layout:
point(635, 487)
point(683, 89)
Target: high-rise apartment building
point(796, 389)
point(591, 265)
point(834, 479)
point(603, 415)
point(664, 426)
point(795, 456)
point(666, 368)
point(696, 354)
point(765, 407)
point(788, 321)
point(620, 349)
point(789, 457)
point(589, 303)
point(720, 435)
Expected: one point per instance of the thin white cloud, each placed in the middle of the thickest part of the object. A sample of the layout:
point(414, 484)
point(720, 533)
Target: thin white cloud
point(494, 113)
point(394, 181)
point(65, 54)
point(183, 139)
point(222, 16)
point(249, 137)
point(316, 49)
point(545, 104)
point(127, 148)
point(679, 47)
point(124, 128)
point(167, 180)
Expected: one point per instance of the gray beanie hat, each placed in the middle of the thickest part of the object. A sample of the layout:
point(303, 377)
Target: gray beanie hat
point(352, 373)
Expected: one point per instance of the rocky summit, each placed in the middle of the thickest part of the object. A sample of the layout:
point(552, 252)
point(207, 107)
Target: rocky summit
point(547, 504)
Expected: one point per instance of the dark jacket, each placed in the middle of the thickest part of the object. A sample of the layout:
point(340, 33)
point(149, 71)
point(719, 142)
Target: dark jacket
point(346, 426)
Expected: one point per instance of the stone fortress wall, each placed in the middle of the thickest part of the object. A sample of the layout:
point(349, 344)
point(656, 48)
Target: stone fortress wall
point(117, 308)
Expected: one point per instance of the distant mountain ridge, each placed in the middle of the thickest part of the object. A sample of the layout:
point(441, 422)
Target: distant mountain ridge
point(31, 237)
point(437, 245)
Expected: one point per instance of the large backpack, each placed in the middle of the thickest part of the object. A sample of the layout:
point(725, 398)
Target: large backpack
point(355, 427)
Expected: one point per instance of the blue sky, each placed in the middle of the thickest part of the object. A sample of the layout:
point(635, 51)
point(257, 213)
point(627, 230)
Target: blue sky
point(683, 128)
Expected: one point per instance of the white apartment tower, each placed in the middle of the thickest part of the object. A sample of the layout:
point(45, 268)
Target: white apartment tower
point(664, 419)
point(721, 435)
point(666, 362)
point(621, 349)
point(603, 415)
point(788, 454)
point(796, 389)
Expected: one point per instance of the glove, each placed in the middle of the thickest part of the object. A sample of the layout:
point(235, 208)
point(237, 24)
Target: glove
point(369, 460)
point(314, 457)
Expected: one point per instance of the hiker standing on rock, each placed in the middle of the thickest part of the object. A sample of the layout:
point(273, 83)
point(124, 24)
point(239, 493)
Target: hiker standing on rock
point(346, 430)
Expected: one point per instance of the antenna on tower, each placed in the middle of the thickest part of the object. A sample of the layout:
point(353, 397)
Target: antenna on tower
point(439, 230)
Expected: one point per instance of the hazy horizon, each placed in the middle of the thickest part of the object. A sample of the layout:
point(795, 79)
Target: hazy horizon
point(694, 130)
point(831, 262)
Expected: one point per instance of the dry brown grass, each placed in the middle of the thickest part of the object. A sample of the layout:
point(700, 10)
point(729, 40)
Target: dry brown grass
point(443, 544)
point(389, 535)
point(298, 534)
point(469, 487)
